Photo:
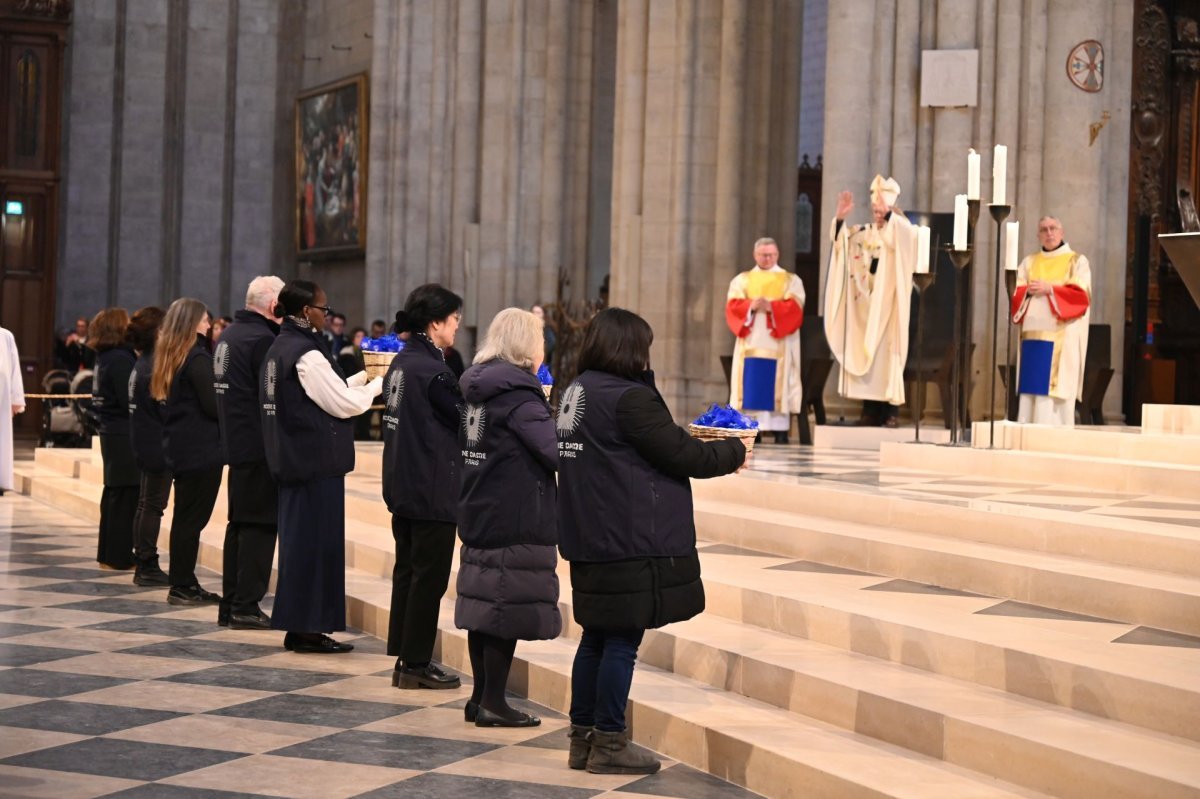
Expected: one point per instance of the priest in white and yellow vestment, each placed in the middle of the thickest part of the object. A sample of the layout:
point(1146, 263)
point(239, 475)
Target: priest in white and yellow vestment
point(1052, 304)
point(764, 309)
point(867, 297)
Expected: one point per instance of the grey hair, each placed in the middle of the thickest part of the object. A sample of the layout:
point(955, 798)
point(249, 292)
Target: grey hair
point(515, 335)
point(763, 242)
point(262, 293)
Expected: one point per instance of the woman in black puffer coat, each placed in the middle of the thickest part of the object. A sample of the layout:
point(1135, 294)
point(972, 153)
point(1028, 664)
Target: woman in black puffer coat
point(507, 586)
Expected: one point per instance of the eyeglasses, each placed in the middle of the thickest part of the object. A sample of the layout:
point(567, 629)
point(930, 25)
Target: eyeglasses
point(325, 309)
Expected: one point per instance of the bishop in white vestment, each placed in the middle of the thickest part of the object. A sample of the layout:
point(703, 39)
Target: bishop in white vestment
point(867, 296)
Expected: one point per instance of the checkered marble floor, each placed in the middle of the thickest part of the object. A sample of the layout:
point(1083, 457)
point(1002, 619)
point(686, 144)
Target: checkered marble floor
point(106, 690)
point(859, 471)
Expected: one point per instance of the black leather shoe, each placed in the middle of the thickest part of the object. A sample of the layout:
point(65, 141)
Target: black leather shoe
point(487, 718)
point(148, 573)
point(191, 595)
point(781, 437)
point(427, 676)
point(222, 615)
point(470, 711)
point(254, 620)
point(317, 645)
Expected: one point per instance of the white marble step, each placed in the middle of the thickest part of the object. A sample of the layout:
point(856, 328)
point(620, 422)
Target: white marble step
point(1158, 599)
point(1096, 473)
point(1108, 441)
point(1102, 538)
point(1179, 419)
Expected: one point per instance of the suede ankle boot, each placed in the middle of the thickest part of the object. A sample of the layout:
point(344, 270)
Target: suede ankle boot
point(577, 758)
point(612, 754)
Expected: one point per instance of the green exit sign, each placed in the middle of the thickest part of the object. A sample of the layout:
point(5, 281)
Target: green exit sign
point(14, 208)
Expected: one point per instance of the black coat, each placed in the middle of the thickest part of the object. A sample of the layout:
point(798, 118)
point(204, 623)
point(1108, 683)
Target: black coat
point(625, 509)
point(507, 585)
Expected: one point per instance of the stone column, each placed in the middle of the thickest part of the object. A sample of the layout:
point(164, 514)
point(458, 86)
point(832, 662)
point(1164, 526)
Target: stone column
point(703, 161)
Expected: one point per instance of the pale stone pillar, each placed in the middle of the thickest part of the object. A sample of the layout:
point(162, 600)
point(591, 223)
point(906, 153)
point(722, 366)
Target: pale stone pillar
point(705, 158)
point(847, 94)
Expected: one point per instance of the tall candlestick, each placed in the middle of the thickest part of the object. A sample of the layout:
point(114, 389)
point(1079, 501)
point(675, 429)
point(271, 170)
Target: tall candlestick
point(999, 174)
point(960, 222)
point(972, 175)
point(1011, 243)
point(922, 250)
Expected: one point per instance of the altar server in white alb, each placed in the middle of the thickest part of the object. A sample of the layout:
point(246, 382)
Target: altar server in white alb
point(11, 388)
point(867, 302)
point(1052, 304)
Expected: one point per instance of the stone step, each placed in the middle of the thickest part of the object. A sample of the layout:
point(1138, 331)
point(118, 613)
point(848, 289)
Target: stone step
point(1100, 538)
point(986, 649)
point(1081, 674)
point(1183, 419)
point(1158, 599)
point(1107, 441)
point(850, 436)
point(933, 716)
point(1096, 473)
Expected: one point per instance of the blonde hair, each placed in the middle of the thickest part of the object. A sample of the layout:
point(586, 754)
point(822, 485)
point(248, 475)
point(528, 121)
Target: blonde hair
point(515, 335)
point(176, 337)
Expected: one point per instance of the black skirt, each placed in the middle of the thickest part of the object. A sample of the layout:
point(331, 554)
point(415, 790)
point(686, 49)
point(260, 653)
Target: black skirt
point(310, 593)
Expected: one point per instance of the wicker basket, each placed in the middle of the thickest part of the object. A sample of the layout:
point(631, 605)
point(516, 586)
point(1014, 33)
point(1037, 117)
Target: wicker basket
point(705, 433)
point(547, 389)
point(377, 363)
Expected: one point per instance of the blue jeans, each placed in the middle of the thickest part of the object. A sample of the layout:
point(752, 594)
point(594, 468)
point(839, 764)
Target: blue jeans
point(601, 677)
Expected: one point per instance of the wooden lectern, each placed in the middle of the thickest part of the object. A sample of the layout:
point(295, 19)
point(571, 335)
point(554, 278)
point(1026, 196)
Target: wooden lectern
point(1184, 249)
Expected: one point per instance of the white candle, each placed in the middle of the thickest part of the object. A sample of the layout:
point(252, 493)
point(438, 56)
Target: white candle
point(972, 175)
point(1012, 242)
point(999, 174)
point(922, 249)
point(960, 221)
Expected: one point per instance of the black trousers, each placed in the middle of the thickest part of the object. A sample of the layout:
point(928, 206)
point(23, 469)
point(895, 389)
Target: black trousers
point(249, 536)
point(118, 502)
point(118, 506)
point(151, 502)
point(424, 552)
point(195, 495)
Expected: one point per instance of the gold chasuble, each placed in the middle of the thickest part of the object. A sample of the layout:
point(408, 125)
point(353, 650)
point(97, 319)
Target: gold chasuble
point(765, 377)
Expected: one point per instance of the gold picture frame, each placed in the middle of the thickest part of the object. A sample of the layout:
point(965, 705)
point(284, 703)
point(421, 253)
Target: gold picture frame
point(331, 170)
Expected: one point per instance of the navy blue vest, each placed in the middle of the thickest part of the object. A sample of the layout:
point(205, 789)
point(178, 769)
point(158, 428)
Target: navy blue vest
point(508, 496)
point(421, 459)
point(612, 504)
point(237, 363)
point(145, 417)
point(303, 443)
point(191, 438)
point(110, 390)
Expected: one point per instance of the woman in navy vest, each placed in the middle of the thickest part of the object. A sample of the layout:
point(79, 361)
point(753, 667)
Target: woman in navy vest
point(308, 438)
point(182, 379)
point(145, 433)
point(421, 465)
point(110, 405)
point(625, 523)
point(507, 520)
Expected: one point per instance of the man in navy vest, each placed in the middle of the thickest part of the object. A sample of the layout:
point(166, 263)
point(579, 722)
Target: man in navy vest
point(252, 495)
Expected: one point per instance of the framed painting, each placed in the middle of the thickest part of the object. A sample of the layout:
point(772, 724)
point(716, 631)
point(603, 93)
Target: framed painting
point(331, 170)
